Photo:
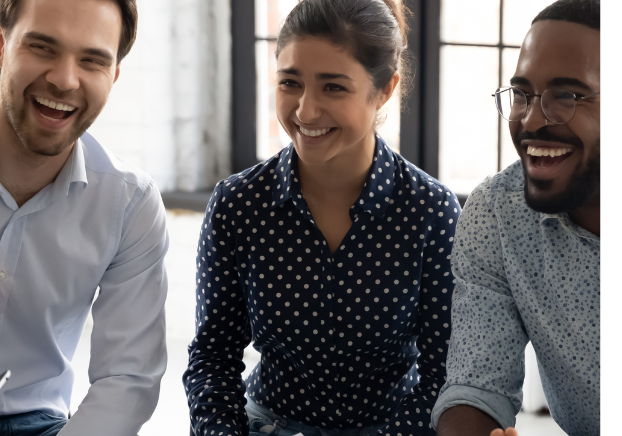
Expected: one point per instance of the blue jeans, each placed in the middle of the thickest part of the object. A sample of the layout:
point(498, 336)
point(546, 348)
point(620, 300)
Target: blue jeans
point(263, 422)
point(31, 424)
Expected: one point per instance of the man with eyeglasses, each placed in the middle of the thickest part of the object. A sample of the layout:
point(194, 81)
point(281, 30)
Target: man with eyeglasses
point(526, 256)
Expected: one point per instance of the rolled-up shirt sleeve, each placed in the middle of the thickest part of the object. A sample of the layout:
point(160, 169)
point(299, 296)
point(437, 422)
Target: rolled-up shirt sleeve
point(128, 343)
point(485, 364)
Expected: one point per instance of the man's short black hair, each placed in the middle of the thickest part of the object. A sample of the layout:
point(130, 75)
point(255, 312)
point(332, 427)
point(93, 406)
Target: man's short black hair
point(586, 12)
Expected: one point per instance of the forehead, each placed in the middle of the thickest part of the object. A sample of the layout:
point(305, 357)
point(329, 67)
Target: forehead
point(312, 55)
point(554, 48)
point(92, 23)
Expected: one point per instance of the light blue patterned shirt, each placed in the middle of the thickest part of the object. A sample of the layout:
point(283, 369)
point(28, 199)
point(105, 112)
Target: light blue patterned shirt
point(101, 223)
point(523, 276)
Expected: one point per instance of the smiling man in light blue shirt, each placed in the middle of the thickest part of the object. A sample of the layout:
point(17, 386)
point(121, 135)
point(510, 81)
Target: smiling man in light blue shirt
point(73, 219)
point(526, 257)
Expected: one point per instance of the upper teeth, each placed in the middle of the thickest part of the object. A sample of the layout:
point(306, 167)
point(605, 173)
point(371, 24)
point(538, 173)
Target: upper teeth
point(54, 105)
point(313, 132)
point(543, 151)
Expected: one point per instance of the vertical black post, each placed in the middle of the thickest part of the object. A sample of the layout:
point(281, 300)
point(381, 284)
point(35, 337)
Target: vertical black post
point(431, 52)
point(244, 85)
point(410, 121)
point(419, 126)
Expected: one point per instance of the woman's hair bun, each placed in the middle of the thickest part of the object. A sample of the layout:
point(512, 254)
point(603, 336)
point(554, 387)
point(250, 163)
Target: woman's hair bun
point(400, 12)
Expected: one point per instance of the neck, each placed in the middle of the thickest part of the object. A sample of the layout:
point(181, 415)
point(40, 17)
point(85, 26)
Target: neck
point(23, 173)
point(588, 216)
point(342, 177)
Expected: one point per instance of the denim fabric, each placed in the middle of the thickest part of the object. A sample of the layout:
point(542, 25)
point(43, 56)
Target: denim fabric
point(31, 424)
point(260, 417)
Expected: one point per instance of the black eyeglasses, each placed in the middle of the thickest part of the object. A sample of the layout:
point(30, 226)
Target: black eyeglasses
point(558, 104)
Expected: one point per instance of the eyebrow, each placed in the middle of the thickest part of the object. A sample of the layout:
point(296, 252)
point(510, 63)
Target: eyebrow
point(104, 54)
point(41, 37)
point(318, 76)
point(557, 81)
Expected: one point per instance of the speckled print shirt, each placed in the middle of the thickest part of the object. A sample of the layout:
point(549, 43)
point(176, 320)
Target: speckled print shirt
point(338, 334)
point(523, 275)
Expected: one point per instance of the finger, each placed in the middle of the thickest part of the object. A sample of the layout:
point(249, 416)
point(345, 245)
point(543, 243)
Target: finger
point(497, 432)
point(511, 431)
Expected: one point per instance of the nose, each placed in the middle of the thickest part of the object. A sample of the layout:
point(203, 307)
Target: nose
point(309, 107)
point(64, 74)
point(534, 117)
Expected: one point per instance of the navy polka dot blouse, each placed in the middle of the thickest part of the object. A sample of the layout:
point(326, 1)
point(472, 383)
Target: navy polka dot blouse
point(347, 340)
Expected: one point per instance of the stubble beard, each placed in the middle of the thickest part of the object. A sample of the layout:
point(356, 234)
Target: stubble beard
point(36, 141)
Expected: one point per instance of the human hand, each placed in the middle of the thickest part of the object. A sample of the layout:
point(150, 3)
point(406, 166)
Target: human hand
point(510, 431)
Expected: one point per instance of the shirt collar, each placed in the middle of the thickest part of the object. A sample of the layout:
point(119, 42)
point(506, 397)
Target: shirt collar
point(375, 196)
point(569, 225)
point(74, 171)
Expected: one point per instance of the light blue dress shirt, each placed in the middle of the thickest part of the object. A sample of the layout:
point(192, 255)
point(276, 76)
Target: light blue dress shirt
point(523, 276)
point(100, 224)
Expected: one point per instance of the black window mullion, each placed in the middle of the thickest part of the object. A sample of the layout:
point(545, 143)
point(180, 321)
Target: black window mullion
point(419, 124)
point(244, 85)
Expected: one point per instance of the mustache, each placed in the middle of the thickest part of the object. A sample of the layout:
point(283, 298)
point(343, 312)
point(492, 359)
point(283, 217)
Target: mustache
point(545, 134)
point(53, 91)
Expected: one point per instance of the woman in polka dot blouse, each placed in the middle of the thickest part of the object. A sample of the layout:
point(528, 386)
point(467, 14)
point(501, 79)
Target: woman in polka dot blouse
point(333, 256)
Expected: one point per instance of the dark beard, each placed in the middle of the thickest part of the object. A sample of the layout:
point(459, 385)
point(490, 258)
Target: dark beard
point(582, 188)
point(579, 192)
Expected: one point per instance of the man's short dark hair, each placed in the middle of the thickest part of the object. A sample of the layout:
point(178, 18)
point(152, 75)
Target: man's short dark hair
point(586, 12)
point(9, 10)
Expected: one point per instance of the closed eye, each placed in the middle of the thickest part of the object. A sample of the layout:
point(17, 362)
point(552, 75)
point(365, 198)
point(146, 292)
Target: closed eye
point(40, 48)
point(94, 61)
point(288, 83)
point(333, 87)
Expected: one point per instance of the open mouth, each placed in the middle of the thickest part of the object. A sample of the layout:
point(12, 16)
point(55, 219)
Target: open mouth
point(543, 157)
point(317, 132)
point(52, 110)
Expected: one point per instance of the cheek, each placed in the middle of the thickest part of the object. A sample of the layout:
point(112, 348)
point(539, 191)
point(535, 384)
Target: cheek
point(96, 91)
point(283, 106)
point(360, 116)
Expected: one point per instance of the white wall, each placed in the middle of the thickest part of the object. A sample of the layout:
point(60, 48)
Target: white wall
point(169, 112)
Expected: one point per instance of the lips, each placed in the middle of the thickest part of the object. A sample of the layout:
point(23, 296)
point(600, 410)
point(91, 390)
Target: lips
point(51, 109)
point(547, 160)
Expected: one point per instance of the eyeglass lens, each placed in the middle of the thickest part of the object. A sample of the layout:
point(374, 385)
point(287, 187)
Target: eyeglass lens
point(558, 104)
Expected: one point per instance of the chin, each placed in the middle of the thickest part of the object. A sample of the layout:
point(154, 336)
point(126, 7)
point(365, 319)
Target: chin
point(579, 192)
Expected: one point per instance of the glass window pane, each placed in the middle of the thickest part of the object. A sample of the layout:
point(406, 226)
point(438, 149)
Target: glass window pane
point(475, 22)
point(517, 17)
point(508, 152)
point(468, 117)
point(270, 14)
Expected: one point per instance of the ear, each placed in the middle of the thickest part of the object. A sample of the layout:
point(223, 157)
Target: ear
point(386, 92)
point(117, 71)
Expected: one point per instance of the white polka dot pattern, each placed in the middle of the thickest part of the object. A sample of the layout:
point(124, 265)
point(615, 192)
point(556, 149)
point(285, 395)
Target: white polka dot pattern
point(339, 335)
point(523, 275)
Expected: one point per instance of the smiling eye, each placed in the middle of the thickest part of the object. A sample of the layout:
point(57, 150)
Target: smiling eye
point(333, 87)
point(288, 83)
point(40, 48)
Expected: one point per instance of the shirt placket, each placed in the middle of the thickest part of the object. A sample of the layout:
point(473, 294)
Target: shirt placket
point(10, 247)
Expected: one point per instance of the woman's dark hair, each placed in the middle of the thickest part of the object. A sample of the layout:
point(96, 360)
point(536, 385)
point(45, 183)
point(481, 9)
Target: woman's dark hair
point(586, 12)
point(9, 10)
point(373, 30)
